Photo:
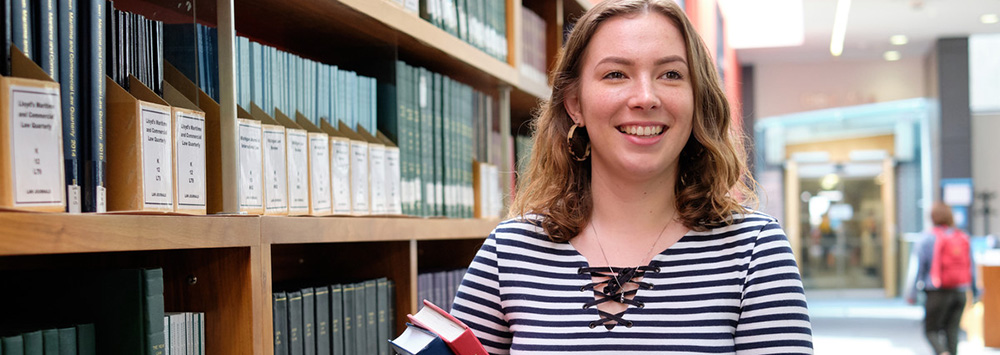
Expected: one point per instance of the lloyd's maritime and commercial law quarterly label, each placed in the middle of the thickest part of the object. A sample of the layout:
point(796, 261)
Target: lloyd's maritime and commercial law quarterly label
point(190, 161)
point(157, 158)
point(250, 166)
point(36, 146)
point(359, 178)
point(277, 177)
point(377, 177)
point(341, 175)
point(319, 147)
point(298, 171)
point(393, 201)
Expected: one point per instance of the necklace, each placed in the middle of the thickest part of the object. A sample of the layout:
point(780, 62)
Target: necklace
point(649, 254)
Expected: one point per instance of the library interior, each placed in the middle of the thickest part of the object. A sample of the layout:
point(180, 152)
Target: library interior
point(276, 177)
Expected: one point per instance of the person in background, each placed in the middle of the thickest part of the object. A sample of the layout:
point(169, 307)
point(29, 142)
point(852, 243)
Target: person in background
point(629, 234)
point(945, 302)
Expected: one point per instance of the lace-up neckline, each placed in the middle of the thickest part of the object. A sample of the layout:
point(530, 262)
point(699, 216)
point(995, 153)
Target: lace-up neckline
point(613, 280)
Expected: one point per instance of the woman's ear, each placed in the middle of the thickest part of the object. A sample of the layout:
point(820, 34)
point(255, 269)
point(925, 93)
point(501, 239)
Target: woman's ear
point(572, 106)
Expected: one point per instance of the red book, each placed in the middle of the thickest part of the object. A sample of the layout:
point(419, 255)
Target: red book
point(456, 334)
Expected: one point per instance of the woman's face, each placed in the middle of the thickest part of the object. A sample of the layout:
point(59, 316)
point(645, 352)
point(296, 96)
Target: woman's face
point(635, 97)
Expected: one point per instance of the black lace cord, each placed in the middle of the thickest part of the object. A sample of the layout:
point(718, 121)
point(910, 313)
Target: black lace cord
point(613, 291)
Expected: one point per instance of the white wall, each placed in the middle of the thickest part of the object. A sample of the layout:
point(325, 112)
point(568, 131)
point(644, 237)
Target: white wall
point(986, 167)
point(789, 88)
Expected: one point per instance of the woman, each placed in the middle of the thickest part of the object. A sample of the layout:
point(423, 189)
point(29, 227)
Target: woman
point(628, 235)
point(945, 303)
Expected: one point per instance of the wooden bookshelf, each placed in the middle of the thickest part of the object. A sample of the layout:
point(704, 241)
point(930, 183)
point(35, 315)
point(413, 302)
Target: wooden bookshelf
point(297, 230)
point(43, 233)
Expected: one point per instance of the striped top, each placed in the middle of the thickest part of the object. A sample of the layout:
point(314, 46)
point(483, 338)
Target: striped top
point(733, 289)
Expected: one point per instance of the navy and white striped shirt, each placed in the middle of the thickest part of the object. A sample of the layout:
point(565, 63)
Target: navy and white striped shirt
point(733, 289)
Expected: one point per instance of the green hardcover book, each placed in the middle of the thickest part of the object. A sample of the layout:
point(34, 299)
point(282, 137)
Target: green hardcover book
point(280, 316)
point(392, 308)
point(322, 320)
point(350, 339)
point(33, 343)
point(86, 339)
point(336, 320)
point(371, 318)
point(360, 322)
point(153, 314)
point(50, 341)
point(67, 341)
point(308, 321)
point(201, 333)
point(436, 137)
point(426, 141)
point(120, 307)
point(13, 345)
point(382, 307)
point(46, 41)
point(295, 346)
point(446, 137)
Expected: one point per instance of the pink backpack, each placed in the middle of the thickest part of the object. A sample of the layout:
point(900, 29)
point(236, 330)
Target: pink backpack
point(951, 264)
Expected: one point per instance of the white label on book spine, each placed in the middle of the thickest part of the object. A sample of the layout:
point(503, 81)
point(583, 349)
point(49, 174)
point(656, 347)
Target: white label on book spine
point(157, 158)
point(423, 91)
point(74, 199)
point(250, 165)
point(340, 176)
point(36, 146)
point(191, 178)
point(359, 177)
point(377, 177)
point(392, 182)
point(102, 200)
point(319, 173)
point(298, 171)
point(275, 170)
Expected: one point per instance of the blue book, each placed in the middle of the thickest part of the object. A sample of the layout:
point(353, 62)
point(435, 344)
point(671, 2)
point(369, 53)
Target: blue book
point(46, 42)
point(69, 88)
point(93, 120)
point(419, 341)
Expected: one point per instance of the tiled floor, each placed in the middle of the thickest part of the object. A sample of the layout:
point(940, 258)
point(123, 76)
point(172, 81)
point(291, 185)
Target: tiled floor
point(865, 322)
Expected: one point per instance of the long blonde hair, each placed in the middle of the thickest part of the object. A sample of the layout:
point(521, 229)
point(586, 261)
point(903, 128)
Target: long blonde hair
point(712, 173)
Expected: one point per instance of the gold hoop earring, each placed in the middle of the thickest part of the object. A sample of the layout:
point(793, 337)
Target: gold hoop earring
point(570, 143)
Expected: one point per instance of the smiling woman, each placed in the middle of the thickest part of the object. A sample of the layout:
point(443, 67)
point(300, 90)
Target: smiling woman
point(630, 233)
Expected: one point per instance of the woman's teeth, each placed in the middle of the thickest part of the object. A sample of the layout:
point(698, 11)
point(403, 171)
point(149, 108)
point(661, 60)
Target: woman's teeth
point(641, 131)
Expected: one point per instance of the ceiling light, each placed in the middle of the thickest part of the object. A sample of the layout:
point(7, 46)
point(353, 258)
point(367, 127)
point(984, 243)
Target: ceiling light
point(989, 19)
point(839, 27)
point(891, 56)
point(763, 23)
point(898, 40)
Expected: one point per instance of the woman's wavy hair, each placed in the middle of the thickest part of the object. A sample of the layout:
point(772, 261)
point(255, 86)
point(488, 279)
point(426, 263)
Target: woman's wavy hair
point(713, 177)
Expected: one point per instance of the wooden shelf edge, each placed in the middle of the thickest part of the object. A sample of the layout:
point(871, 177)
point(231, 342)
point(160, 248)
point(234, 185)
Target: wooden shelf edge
point(60, 233)
point(533, 87)
point(296, 230)
point(410, 24)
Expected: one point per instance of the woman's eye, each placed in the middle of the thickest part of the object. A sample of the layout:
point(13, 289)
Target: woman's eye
point(614, 75)
point(673, 75)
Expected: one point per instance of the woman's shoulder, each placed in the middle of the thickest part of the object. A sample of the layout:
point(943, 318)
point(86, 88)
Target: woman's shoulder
point(743, 223)
point(526, 228)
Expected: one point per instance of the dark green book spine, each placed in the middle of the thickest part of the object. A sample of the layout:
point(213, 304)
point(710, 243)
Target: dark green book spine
point(322, 320)
point(67, 341)
point(95, 162)
point(371, 317)
point(360, 322)
point(153, 315)
point(50, 341)
point(33, 343)
point(337, 320)
point(20, 25)
point(350, 338)
point(295, 323)
point(86, 339)
point(120, 312)
point(69, 88)
point(382, 306)
point(13, 345)
point(308, 321)
point(45, 39)
point(5, 9)
point(392, 308)
point(280, 316)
